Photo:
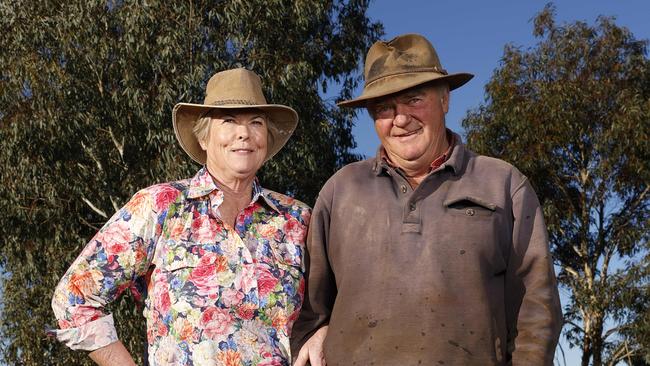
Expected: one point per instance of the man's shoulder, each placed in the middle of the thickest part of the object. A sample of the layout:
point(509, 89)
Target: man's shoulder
point(490, 171)
point(359, 170)
point(349, 178)
point(490, 165)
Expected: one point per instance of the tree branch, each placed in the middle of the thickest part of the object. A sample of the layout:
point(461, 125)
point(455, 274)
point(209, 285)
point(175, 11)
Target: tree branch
point(94, 208)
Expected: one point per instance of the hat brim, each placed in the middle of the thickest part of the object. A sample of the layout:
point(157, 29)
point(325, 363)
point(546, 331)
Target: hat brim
point(282, 122)
point(396, 83)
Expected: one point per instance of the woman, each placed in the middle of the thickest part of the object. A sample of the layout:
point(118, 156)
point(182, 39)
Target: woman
point(221, 257)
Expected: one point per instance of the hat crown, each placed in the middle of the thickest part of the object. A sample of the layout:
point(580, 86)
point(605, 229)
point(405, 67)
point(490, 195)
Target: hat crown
point(234, 87)
point(403, 54)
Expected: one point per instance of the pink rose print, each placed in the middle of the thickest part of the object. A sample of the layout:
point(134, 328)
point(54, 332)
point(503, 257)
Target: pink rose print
point(271, 362)
point(84, 314)
point(162, 301)
point(231, 297)
point(246, 311)
point(245, 280)
point(215, 322)
point(204, 229)
point(164, 195)
point(266, 282)
point(115, 238)
point(294, 231)
point(204, 276)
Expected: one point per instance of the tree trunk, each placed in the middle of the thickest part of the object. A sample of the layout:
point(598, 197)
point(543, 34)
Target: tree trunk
point(586, 350)
point(597, 344)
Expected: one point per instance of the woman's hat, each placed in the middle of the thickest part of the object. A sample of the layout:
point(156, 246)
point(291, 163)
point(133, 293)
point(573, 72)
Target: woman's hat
point(401, 63)
point(233, 89)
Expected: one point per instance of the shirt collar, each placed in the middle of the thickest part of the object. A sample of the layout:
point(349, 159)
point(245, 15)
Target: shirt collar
point(202, 185)
point(452, 158)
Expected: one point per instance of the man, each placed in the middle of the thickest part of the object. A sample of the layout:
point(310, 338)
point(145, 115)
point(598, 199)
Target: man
point(428, 254)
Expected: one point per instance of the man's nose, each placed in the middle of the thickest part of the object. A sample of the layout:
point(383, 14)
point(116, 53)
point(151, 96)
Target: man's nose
point(402, 117)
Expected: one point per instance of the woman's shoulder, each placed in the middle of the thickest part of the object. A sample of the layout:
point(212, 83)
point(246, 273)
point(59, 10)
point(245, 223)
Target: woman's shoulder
point(287, 204)
point(161, 195)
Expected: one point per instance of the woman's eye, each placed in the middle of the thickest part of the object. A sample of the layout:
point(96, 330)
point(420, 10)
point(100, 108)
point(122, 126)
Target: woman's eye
point(257, 122)
point(228, 120)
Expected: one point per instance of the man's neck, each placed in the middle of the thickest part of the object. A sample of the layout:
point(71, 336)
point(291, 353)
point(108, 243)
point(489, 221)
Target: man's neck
point(416, 171)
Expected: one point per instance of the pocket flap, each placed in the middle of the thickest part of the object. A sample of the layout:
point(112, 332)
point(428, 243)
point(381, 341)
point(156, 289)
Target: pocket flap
point(468, 201)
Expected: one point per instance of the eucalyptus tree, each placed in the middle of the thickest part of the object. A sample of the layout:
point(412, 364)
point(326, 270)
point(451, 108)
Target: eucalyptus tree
point(573, 113)
point(86, 93)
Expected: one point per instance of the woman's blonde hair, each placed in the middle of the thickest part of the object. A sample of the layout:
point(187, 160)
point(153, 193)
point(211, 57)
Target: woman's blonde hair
point(201, 127)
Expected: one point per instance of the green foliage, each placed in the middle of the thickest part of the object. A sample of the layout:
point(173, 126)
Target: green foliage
point(86, 92)
point(573, 113)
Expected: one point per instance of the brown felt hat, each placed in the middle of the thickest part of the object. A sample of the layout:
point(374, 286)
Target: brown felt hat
point(233, 89)
point(401, 63)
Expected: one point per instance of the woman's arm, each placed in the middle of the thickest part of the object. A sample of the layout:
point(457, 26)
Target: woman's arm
point(113, 354)
point(117, 255)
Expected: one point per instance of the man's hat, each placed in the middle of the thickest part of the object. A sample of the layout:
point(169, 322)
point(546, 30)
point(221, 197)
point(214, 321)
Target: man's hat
point(233, 89)
point(401, 63)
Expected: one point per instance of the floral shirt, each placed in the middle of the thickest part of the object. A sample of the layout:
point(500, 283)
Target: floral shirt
point(213, 295)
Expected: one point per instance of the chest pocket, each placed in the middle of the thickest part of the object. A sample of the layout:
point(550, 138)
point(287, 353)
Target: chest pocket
point(182, 278)
point(288, 254)
point(469, 206)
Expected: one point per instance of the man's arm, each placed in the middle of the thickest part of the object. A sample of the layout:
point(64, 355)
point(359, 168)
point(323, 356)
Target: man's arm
point(532, 299)
point(320, 289)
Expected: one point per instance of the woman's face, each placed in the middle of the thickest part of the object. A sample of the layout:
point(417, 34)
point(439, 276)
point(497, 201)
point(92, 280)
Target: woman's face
point(236, 143)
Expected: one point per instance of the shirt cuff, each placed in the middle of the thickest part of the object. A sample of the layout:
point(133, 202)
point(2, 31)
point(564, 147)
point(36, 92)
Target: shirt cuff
point(90, 336)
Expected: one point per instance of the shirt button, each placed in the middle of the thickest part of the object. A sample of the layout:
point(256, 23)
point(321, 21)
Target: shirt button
point(412, 206)
point(470, 212)
point(403, 188)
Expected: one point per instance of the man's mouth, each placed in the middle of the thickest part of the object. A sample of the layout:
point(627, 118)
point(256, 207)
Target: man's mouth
point(410, 133)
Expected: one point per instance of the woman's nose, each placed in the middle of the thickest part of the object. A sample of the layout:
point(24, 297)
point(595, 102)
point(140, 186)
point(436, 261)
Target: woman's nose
point(242, 132)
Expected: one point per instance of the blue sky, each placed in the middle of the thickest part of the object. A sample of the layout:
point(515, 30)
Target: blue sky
point(469, 37)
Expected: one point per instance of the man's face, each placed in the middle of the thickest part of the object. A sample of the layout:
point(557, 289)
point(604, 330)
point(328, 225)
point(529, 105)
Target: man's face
point(411, 125)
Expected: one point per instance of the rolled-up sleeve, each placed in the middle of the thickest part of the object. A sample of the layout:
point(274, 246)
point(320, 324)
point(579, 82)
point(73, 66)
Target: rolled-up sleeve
point(118, 254)
point(531, 289)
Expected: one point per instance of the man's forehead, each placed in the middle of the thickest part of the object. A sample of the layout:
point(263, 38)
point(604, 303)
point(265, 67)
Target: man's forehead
point(416, 90)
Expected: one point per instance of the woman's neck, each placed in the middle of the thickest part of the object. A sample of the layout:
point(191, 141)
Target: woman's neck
point(237, 195)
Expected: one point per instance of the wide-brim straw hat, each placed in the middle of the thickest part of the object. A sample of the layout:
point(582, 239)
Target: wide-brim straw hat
point(233, 89)
point(401, 63)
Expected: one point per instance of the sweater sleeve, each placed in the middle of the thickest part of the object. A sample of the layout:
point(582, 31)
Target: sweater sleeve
point(320, 289)
point(532, 297)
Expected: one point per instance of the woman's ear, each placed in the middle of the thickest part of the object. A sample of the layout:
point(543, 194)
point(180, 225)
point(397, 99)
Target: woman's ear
point(204, 144)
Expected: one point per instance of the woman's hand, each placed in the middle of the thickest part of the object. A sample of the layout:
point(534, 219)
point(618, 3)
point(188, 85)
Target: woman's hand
point(312, 350)
point(113, 354)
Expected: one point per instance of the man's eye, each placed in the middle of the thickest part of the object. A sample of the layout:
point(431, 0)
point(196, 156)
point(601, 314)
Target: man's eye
point(414, 100)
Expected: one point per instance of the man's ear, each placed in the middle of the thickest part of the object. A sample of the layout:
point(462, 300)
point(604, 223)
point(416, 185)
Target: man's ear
point(444, 101)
